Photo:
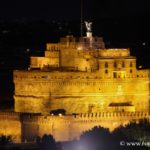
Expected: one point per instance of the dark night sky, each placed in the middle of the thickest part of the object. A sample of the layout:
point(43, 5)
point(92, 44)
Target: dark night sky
point(70, 9)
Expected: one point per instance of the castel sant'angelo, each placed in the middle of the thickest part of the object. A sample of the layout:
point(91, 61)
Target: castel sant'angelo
point(91, 85)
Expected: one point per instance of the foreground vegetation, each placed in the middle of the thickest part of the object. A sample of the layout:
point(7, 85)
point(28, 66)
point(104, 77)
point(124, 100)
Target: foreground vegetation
point(134, 136)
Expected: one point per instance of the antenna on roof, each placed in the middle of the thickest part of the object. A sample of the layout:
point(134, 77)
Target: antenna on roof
point(81, 30)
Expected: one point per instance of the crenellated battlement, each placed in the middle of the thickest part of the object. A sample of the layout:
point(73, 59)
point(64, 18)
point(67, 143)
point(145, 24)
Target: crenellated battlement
point(113, 115)
point(10, 115)
point(40, 117)
point(94, 116)
point(114, 53)
point(26, 126)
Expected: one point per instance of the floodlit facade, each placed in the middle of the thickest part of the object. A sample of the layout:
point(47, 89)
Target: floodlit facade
point(82, 76)
point(79, 77)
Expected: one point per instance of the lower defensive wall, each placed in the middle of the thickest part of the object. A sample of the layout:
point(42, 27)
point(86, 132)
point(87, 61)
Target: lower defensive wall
point(26, 127)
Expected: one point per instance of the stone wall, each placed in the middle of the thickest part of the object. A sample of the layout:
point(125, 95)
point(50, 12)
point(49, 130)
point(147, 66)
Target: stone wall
point(86, 91)
point(26, 127)
point(10, 125)
point(65, 128)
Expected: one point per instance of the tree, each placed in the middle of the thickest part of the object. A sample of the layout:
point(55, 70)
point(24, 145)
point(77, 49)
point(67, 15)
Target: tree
point(96, 139)
point(134, 132)
point(47, 142)
point(4, 140)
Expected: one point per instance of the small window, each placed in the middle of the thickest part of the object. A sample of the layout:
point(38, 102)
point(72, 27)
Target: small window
point(130, 70)
point(46, 77)
point(115, 64)
point(131, 65)
point(115, 74)
point(123, 64)
point(106, 64)
point(106, 71)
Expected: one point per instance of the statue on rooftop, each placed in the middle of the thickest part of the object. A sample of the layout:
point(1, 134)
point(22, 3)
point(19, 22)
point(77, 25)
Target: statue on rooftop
point(88, 26)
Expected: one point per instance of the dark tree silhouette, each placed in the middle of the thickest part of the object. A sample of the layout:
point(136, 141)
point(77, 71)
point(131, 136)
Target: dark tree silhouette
point(100, 138)
point(96, 139)
point(38, 140)
point(134, 132)
point(4, 140)
point(47, 142)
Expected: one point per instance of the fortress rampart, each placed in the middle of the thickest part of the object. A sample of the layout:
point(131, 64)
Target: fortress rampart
point(26, 127)
point(101, 87)
point(88, 92)
point(10, 124)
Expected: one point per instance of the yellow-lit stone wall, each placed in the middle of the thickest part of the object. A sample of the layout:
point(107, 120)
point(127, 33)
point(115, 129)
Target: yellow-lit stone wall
point(118, 67)
point(39, 62)
point(39, 91)
point(85, 75)
point(85, 61)
point(114, 52)
point(67, 58)
point(45, 62)
point(26, 127)
point(65, 128)
point(63, 54)
point(10, 125)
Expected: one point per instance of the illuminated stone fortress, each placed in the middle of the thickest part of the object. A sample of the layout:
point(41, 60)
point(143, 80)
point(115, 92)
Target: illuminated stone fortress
point(79, 75)
point(93, 85)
